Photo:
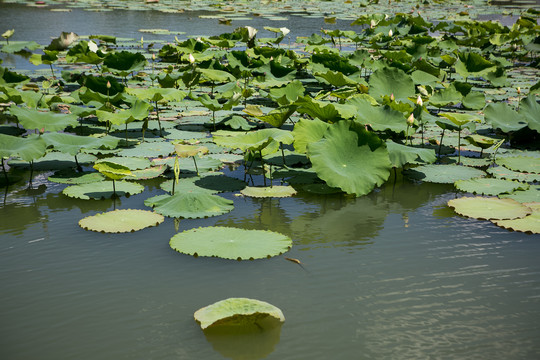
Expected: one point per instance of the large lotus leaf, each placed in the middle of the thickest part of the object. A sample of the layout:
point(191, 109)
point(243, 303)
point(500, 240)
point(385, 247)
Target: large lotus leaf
point(157, 94)
point(471, 63)
point(504, 173)
point(183, 186)
point(460, 119)
point(112, 170)
point(277, 117)
point(12, 78)
point(256, 140)
point(443, 174)
point(71, 144)
point(389, 80)
point(32, 119)
point(238, 312)
point(484, 186)
point(334, 78)
point(85, 52)
point(528, 224)
point(102, 190)
point(120, 221)
point(27, 149)
point(403, 154)
point(474, 100)
point(148, 173)
point(287, 94)
point(530, 195)
point(139, 111)
point(446, 96)
point(231, 243)
point(55, 160)
point(216, 75)
point(527, 164)
point(124, 63)
point(342, 163)
point(489, 208)
point(184, 150)
point(16, 46)
point(193, 205)
point(72, 177)
point(149, 150)
point(268, 191)
point(530, 109)
point(380, 118)
point(501, 116)
point(132, 163)
point(322, 110)
point(308, 131)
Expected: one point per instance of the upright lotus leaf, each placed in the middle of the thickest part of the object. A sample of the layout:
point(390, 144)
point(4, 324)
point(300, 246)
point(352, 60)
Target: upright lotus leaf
point(112, 170)
point(157, 94)
point(380, 118)
point(121, 221)
point(215, 75)
point(85, 52)
point(334, 78)
point(277, 117)
point(446, 96)
point(32, 119)
point(124, 63)
point(11, 78)
point(267, 139)
point(485, 208)
point(473, 64)
point(401, 155)
point(474, 100)
point(460, 120)
point(530, 110)
point(107, 86)
point(238, 312)
point(527, 224)
point(192, 205)
point(102, 190)
point(527, 164)
point(308, 131)
point(20, 46)
point(483, 142)
point(322, 110)
point(345, 161)
point(287, 94)
point(27, 149)
point(138, 111)
point(274, 75)
point(484, 186)
point(71, 144)
point(502, 116)
point(390, 80)
point(230, 243)
point(443, 174)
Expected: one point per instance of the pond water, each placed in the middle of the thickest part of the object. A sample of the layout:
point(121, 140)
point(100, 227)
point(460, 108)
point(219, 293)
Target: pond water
point(391, 275)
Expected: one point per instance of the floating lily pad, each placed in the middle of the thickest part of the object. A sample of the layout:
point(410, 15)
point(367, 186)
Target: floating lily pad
point(504, 173)
point(269, 191)
point(119, 221)
point(191, 205)
point(528, 224)
point(236, 312)
point(489, 208)
point(220, 183)
point(148, 173)
point(55, 161)
point(526, 164)
point(102, 190)
point(526, 196)
point(484, 186)
point(443, 174)
point(231, 243)
point(72, 177)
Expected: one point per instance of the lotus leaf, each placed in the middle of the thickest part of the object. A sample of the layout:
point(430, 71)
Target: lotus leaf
point(402, 154)
point(324, 111)
point(475, 100)
point(308, 131)
point(71, 144)
point(124, 63)
point(27, 149)
point(339, 160)
point(192, 205)
point(149, 150)
point(157, 94)
point(54, 161)
point(69, 176)
point(471, 63)
point(380, 118)
point(443, 174)
point(277, 117)
point(528, 224)
point(489, 208)
point(501, 116)
point(148, 173)
point(183, 185)
point(267, 139)
point(527, 164)
point(530, 195)
point(446, 96)
point(231, 243)
point(530, 109)
point(268, 191)
point(102, 190)
point(112, 170)
point(387, 81)
point(32, 119)
point(504, 173)
point(120, 221)
point(484, 186)
point(238, 312)
point(183, 150)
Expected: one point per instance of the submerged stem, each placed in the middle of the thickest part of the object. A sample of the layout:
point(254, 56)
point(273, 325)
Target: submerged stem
point(262, 166)
point(440, 142)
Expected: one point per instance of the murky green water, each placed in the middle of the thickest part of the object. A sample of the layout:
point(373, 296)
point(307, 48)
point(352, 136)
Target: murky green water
point(392, 275)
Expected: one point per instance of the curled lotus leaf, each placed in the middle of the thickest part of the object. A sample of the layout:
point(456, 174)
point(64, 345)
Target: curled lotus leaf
point(268, 191)
point(236, 312)
point(403, 154)
point(528, 224)
point(489, 208)
point(443, 174)
point(230, 243)
point(120, 221)
point(526, 164)
point(112, 170)
point(489, 186)
point(192, 205)
point(102, 190)
point(148, 173)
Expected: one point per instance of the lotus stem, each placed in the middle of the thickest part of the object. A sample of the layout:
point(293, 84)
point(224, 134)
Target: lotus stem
point(126, 134)
point(79, 168)
point(214, 119)
point(5, 172)
point(159, 122)
point(459, 145)
point(282, 153)
point(262, 166)
point(31, 173)
point(440, 142)
point(196, 168)
point(114, 189)
point(52, 71)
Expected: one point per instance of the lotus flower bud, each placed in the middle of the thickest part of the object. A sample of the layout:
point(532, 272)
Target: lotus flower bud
point(108, 84)
point(390, 33)
point(410, 120)
point(392, 97)
point(518, 90)
point(372, 24)
point(153, 57)
point(419, 101)
point(191, 58)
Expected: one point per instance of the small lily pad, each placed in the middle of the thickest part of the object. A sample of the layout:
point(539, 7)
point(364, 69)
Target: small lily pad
point(269, 191)
point(489, 208)
point(102, 190)
point(119, 221)
point(231, 243)
point(236, 312)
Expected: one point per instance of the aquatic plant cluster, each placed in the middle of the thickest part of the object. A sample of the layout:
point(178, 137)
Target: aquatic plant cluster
point(343, 111)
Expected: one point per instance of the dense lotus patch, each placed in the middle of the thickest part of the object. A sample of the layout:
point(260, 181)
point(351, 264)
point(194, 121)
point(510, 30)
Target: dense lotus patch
point(119, 221)
point(231, 243)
